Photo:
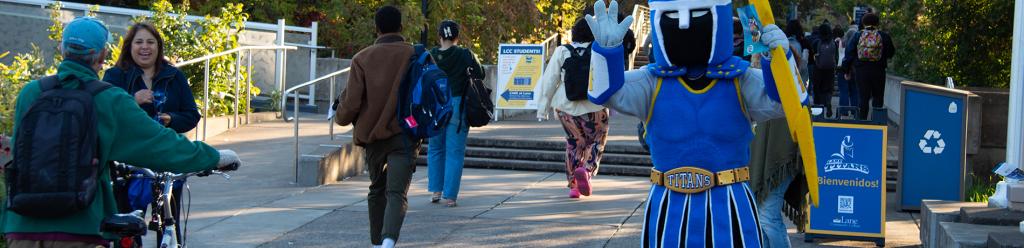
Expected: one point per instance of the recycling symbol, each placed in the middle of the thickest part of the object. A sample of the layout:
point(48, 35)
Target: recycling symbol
point(929, 136)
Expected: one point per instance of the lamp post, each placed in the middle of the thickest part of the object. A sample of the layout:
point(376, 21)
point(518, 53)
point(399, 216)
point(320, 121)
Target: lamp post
point(1014, 134)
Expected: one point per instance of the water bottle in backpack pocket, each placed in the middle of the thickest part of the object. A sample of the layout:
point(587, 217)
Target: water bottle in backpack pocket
point(56, 168)
point(424, 100)
point(576, 73)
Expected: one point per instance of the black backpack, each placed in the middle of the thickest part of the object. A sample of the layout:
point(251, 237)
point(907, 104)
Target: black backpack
point(576, 73)
point(477, 105)
point(55, 168)
point(828, 55)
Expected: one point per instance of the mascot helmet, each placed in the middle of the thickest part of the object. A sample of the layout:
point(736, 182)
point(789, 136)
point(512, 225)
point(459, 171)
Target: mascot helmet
point(699, 32)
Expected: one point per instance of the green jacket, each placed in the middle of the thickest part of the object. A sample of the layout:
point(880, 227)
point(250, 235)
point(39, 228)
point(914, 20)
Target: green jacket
point(126, 134)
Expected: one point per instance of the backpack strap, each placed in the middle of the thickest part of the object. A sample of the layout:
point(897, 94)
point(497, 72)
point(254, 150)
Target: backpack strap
point(49, 82)
point(94, 87)
point(572, 50)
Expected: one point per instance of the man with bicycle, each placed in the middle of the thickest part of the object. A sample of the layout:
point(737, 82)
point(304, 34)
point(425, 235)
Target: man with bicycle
point(121, 131)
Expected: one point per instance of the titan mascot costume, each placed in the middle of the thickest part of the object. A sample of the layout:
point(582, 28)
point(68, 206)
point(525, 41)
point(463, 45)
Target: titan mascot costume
point(698, 102)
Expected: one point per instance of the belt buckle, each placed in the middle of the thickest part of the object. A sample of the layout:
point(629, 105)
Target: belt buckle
point(689, 180)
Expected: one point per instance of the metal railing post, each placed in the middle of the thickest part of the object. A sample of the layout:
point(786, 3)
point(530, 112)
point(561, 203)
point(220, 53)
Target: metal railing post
point(238, 82)
point(295, 108)
point(206, 98)
point(330, 119)
point(248, 89)
point(279, 67)
point(312, 63)
point(284, 76)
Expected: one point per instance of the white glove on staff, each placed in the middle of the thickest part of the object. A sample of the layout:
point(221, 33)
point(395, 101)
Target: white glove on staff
point(772, 36)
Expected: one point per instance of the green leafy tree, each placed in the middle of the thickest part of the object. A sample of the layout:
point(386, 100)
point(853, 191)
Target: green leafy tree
point(968, 40)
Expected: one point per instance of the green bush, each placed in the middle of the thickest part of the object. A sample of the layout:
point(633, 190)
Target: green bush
point(183, 40)
point(968, 40)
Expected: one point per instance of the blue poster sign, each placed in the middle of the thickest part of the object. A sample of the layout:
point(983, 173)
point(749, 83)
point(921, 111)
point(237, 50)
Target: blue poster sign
point(851, 180)
point(933, 155)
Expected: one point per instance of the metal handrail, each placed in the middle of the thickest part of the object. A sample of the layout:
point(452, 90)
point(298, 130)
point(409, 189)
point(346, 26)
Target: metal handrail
point(134, 12)
point(238, 64)
point(295, 110)
point(235, 50)
point(553, 39)
point(641, 29)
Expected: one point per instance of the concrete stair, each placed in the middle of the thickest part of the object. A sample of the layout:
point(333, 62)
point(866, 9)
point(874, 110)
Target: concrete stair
point(891, 166)
point(641, 58)
point(536, 155)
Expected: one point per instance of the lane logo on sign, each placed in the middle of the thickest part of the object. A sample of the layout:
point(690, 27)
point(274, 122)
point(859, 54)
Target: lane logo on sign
point(840, 161)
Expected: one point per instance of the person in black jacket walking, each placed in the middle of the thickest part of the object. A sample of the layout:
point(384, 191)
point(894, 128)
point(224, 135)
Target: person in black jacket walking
point(866, 63)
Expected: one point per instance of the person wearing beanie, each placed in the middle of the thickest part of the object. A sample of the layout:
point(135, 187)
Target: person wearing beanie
point(368, 103)
point(124, 133)
point(446, 152)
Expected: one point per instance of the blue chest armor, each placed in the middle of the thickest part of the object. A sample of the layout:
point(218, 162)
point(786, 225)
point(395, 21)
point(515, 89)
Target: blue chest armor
point(707, 128)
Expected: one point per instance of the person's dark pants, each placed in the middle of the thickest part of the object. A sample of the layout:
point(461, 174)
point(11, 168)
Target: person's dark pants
point(824, 84)
point(870, 79)
point(847, 90)
point(391, 163)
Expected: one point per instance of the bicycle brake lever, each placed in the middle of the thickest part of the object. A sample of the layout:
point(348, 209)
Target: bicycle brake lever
point(222, 174)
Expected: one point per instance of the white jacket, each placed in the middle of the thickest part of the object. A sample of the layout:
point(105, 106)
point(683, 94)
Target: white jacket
point(552, 93)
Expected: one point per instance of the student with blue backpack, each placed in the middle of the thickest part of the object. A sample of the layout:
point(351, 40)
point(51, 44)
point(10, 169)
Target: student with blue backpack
point(446, 152)
point(373, 103)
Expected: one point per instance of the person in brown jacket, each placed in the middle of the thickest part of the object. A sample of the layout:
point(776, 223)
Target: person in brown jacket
point(370, 103)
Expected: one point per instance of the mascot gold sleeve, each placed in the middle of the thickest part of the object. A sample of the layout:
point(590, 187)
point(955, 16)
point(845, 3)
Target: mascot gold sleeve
point(697, 101)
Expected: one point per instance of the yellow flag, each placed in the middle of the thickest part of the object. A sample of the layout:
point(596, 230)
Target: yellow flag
point(797, 115)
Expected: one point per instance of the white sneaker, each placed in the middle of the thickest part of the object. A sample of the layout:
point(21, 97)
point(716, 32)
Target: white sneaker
point(388, 243)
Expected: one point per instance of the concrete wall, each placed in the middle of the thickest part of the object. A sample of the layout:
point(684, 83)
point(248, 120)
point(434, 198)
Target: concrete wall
point(992, 149)
point(24, 25)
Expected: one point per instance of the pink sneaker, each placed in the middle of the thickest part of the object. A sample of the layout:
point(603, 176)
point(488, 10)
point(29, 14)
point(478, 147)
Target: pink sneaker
point(582, 177)
point(574, 193)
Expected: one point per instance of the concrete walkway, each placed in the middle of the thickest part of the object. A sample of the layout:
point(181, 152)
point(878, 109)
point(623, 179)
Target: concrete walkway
point(260, 207)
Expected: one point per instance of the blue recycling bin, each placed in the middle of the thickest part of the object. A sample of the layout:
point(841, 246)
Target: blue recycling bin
point(933, 151)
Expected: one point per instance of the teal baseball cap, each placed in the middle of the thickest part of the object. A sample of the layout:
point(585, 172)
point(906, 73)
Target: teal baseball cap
point(84, 35)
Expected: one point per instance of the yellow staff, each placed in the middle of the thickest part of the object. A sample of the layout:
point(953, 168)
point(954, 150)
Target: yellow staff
point(797, 115)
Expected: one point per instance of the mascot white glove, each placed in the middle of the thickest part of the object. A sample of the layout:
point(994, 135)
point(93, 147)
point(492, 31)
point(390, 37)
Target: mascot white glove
point(772, 36)
point(607, 66)
point(605, 26)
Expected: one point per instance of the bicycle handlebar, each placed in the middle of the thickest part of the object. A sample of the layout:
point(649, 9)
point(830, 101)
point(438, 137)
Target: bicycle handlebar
point(147, 173)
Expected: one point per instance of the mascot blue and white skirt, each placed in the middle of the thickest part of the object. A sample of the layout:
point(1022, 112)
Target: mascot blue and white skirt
point(698, 102)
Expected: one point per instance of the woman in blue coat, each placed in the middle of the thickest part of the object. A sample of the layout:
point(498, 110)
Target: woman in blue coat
point(158, 87)
point(163, 92)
